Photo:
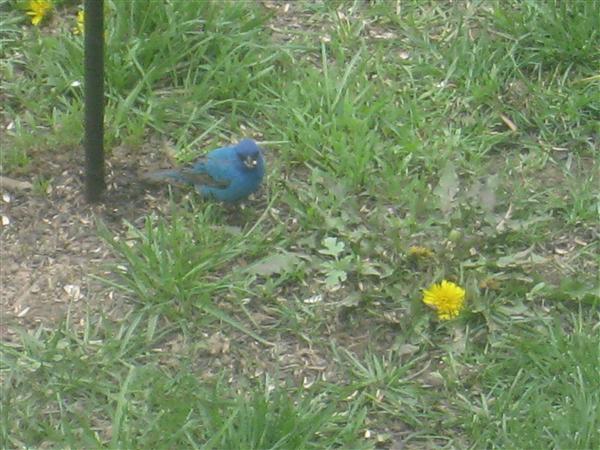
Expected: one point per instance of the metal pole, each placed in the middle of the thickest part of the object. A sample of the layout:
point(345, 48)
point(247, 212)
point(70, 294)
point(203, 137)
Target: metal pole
point(94, 98)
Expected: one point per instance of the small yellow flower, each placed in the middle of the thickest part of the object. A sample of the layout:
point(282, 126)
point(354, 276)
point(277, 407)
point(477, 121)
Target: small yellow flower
point(80, 20)
point(446, 298)
point(38, 10)
point(417, 251)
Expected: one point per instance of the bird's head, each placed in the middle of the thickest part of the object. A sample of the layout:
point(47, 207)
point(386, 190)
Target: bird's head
point(250, 154)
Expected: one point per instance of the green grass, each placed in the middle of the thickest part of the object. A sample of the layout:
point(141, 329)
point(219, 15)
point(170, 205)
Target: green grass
point(541, 387)
point(297, 322)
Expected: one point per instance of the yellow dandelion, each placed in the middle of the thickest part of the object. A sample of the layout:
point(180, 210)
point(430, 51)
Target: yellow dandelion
point(417, 251)
point(38, 10)
point(446, 298)
point(80, 21)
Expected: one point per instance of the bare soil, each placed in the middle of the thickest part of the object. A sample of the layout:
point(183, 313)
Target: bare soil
point(49, 240)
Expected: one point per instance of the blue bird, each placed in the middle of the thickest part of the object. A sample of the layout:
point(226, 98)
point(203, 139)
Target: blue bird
point(227, 174)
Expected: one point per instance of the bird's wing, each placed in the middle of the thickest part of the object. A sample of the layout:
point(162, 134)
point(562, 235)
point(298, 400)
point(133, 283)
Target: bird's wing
point(201, 178)
point(185, 175)
point(163, 175)
point(222, 166)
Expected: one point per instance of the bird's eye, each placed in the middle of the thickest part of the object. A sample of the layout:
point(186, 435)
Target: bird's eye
point(250, 162)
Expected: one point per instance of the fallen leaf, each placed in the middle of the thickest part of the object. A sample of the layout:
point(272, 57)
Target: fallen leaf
point(14, 185)
point(433, 379)
point(525, 257)
point(447, 187)
point(73, 291)
point(407, 350)
point(509, 123)
point(487, 194)
point(314, 299)
point(218, 344)
point(275, 264)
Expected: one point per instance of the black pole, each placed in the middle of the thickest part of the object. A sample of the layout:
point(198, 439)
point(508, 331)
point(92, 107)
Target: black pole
point(94, 98)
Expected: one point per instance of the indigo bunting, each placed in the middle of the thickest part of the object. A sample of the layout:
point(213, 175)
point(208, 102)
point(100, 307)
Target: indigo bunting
point(227, 174)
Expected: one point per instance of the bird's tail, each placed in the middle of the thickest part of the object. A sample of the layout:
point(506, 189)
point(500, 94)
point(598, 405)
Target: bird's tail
point(165, 175)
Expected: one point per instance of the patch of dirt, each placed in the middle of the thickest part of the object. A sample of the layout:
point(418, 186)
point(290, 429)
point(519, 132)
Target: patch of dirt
point(49, 241)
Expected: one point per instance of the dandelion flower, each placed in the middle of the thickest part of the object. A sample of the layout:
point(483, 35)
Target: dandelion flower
point(416, 251)
point(446, 298)
point(38, 10)
point(80, 20)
